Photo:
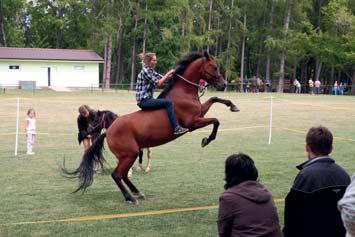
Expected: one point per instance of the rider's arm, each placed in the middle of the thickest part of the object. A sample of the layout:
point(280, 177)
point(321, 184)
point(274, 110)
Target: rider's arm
point(161, 81)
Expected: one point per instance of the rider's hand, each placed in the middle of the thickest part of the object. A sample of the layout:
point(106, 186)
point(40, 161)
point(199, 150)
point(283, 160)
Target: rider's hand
point(171, 72)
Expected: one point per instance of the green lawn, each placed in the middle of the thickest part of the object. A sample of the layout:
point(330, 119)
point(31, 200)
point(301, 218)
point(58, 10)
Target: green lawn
point(184, 175)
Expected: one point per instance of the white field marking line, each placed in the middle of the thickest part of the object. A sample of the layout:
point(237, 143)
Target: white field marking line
point(304, 132)
point(203, 131)
point(232, 129)
point(121, 215)
point(17, 125)
point(198, 131)
point(39, 133)
point(67, 101)
point(270, 119)
point(321, 106)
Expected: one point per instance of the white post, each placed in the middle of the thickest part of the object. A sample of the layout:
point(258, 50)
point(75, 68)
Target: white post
point(17, 121)
point(270, 125)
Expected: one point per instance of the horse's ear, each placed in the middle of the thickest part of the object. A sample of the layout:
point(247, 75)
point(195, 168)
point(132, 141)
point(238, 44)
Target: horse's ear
point(206, 55)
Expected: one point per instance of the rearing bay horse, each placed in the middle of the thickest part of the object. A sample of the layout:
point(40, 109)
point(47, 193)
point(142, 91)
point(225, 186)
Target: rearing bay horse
point(129, 133)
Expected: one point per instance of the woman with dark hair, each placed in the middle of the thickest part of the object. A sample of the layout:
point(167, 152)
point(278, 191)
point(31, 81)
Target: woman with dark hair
point(246, 207)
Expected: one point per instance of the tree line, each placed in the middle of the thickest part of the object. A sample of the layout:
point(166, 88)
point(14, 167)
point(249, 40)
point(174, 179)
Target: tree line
point(271, 39)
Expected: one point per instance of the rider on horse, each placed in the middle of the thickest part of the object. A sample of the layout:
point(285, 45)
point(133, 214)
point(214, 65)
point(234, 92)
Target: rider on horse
point(148, 79)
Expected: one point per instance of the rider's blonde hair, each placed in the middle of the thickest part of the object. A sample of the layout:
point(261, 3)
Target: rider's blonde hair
point(146, 57)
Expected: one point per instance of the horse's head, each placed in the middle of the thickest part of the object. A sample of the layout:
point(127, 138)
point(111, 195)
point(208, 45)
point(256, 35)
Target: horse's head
point(210, 72)
point(102, 119)
point(95, 122)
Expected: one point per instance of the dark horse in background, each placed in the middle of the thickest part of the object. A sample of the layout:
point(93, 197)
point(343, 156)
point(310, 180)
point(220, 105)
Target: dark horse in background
point(132, 132)
point(102, 120)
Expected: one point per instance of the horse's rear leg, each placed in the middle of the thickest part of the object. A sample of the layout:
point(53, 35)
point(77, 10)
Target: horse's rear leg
point(121, 173)
point(128, 197)
point(133, 188)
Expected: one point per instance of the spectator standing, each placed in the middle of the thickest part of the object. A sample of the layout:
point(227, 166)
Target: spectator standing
point(311, 86)
point(341, 89)
point(30, 130)
point(297, 85)
point(311, 205)
point(335, 88)
point(317, 85)
point(346, 206)
point(246, 207)
point(259, 84)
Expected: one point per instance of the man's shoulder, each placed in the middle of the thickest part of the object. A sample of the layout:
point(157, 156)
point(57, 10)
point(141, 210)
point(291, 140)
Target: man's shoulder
point(321, 174)
point(321, 167)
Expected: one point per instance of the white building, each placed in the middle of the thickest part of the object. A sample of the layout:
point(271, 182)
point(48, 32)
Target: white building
point(49, 67)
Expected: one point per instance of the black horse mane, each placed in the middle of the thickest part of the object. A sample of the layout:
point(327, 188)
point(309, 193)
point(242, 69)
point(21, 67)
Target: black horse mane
point(180, 68)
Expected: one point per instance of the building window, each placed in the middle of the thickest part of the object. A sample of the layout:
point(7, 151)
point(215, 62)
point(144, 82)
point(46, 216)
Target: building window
point(79, 67)
point(14, 67)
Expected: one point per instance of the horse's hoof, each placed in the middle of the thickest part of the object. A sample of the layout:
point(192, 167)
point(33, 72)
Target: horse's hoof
point(234, 109)
point(204, 142)
point(139, 168)
point(141, 196)
point(147, 169)
point(133, 202)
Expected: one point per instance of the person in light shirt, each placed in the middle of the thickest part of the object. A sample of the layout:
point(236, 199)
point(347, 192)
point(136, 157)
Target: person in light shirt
point(30, 130)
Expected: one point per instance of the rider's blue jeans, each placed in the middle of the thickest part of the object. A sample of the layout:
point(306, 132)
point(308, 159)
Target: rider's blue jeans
point(152, 104)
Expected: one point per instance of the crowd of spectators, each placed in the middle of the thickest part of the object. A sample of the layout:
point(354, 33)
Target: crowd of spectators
point(321, 201)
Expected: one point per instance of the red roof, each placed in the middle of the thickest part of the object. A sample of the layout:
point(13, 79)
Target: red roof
point(49, 54)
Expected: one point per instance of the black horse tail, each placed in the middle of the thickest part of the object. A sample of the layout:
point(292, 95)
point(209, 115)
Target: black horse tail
point(85, 172)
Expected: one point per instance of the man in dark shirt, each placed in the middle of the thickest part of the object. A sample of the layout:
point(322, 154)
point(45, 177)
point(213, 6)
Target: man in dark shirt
point(311, 205)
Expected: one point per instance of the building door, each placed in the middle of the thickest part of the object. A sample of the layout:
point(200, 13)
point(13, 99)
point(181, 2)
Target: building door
point(49, 76)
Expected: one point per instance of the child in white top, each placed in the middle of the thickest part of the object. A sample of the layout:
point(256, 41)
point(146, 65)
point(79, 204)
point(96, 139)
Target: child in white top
point(30, 129)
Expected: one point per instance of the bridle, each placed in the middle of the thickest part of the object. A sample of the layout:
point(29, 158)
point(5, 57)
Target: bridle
point(201, 88)
point(102, 123)
point(204, 71)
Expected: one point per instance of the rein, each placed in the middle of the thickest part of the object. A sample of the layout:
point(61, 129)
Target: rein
point(201, 89)
point(103, 121)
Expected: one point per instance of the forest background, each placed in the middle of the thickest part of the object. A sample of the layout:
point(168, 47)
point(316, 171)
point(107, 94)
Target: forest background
point(275, 40)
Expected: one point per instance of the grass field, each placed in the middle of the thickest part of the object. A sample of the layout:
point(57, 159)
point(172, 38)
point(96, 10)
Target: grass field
point(36, 199)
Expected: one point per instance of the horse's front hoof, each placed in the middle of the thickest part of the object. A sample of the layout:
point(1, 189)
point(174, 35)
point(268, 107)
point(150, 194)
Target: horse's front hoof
point(147, 169)
point(234, 109)
point(139, 168)
point(204, 142)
